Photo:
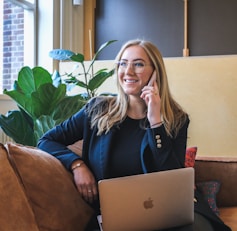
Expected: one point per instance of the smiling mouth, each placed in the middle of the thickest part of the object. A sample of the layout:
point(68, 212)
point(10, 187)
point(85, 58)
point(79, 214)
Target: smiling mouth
point(130, 81)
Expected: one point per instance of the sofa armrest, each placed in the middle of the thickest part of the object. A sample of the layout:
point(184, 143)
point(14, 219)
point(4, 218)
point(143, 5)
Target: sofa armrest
point(222, 169)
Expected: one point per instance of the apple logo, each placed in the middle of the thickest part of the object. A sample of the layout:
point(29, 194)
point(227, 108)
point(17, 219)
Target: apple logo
point(148, 204)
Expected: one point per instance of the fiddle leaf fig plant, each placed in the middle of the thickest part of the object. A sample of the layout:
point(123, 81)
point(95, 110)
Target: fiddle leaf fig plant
point(42, 98)
point(87, 79)
point(41, 106)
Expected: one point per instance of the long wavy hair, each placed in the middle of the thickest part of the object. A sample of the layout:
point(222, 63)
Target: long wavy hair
point(105, 112)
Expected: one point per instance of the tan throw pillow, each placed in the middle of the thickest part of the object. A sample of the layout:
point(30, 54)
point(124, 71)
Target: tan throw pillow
point(50, 190)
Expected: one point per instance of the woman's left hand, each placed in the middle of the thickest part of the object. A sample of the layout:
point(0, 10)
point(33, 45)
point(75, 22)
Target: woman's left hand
point(151, 96)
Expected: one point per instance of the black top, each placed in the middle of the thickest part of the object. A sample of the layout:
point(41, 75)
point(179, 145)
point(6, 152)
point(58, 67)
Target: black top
point(125, 156)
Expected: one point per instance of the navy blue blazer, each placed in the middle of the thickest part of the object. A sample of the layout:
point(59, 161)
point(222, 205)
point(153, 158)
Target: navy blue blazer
point(158, 150)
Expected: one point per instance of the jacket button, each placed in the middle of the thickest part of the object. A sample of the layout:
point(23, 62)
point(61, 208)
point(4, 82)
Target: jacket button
point(159, 145)
point(158, 141)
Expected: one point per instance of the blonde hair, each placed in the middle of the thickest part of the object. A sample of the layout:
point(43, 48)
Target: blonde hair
point(108, 111)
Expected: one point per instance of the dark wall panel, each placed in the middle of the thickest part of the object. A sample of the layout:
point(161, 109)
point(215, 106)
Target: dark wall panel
point(212, 25)
point(160, 21)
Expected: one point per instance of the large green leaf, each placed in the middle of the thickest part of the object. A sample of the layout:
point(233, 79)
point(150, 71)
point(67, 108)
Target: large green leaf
point(42, 125)
point(41, 76)
point(15, 125)
point(40, 102)
point(99, 79)
point(29, 80)
point(77, 58)
point(67, 107)
point(22, 100)
point(46, 99)
point(76, 82)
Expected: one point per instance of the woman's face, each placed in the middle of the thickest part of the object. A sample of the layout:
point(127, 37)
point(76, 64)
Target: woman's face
point(134, 70)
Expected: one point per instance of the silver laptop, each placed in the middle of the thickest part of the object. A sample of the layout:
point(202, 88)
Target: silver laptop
point(150, 201)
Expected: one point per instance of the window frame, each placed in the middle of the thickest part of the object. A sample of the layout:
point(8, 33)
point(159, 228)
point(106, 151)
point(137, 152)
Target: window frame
point(30, 41)
point(26, 5)
point(52, 20)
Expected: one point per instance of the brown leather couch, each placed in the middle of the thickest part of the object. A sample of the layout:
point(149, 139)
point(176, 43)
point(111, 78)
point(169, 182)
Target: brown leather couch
point(224, 170)
point(38, 194)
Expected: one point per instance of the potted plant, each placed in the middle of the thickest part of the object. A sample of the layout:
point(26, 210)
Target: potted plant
point(42, 98)
point(87, 79)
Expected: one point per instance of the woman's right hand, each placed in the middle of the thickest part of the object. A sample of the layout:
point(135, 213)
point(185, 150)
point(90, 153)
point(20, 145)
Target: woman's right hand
point(85, 182)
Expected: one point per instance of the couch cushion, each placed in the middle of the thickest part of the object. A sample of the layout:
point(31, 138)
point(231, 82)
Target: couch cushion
point(15, 211)
point(49, 189)
point(222, 169)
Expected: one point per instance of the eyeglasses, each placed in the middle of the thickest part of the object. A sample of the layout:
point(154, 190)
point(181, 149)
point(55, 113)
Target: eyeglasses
point(137, 66)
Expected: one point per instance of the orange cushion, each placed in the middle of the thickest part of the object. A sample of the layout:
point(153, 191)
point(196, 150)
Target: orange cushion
point(190, 157)
point(49, 190)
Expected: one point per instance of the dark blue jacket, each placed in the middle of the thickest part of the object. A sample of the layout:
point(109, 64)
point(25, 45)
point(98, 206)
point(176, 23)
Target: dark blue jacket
point(158, 150)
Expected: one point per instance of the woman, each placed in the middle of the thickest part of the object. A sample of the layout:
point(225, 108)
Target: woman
point(143, 116)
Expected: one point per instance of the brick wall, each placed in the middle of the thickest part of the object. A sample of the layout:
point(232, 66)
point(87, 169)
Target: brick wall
point(13, 43)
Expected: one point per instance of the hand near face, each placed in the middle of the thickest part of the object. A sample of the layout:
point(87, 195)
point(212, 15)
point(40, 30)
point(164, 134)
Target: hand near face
point(150, 94)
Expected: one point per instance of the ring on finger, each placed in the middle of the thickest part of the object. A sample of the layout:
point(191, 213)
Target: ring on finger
point(89, 191)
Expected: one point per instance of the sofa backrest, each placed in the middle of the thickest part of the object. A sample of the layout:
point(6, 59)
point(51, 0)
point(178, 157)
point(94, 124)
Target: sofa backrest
point(223, 170)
